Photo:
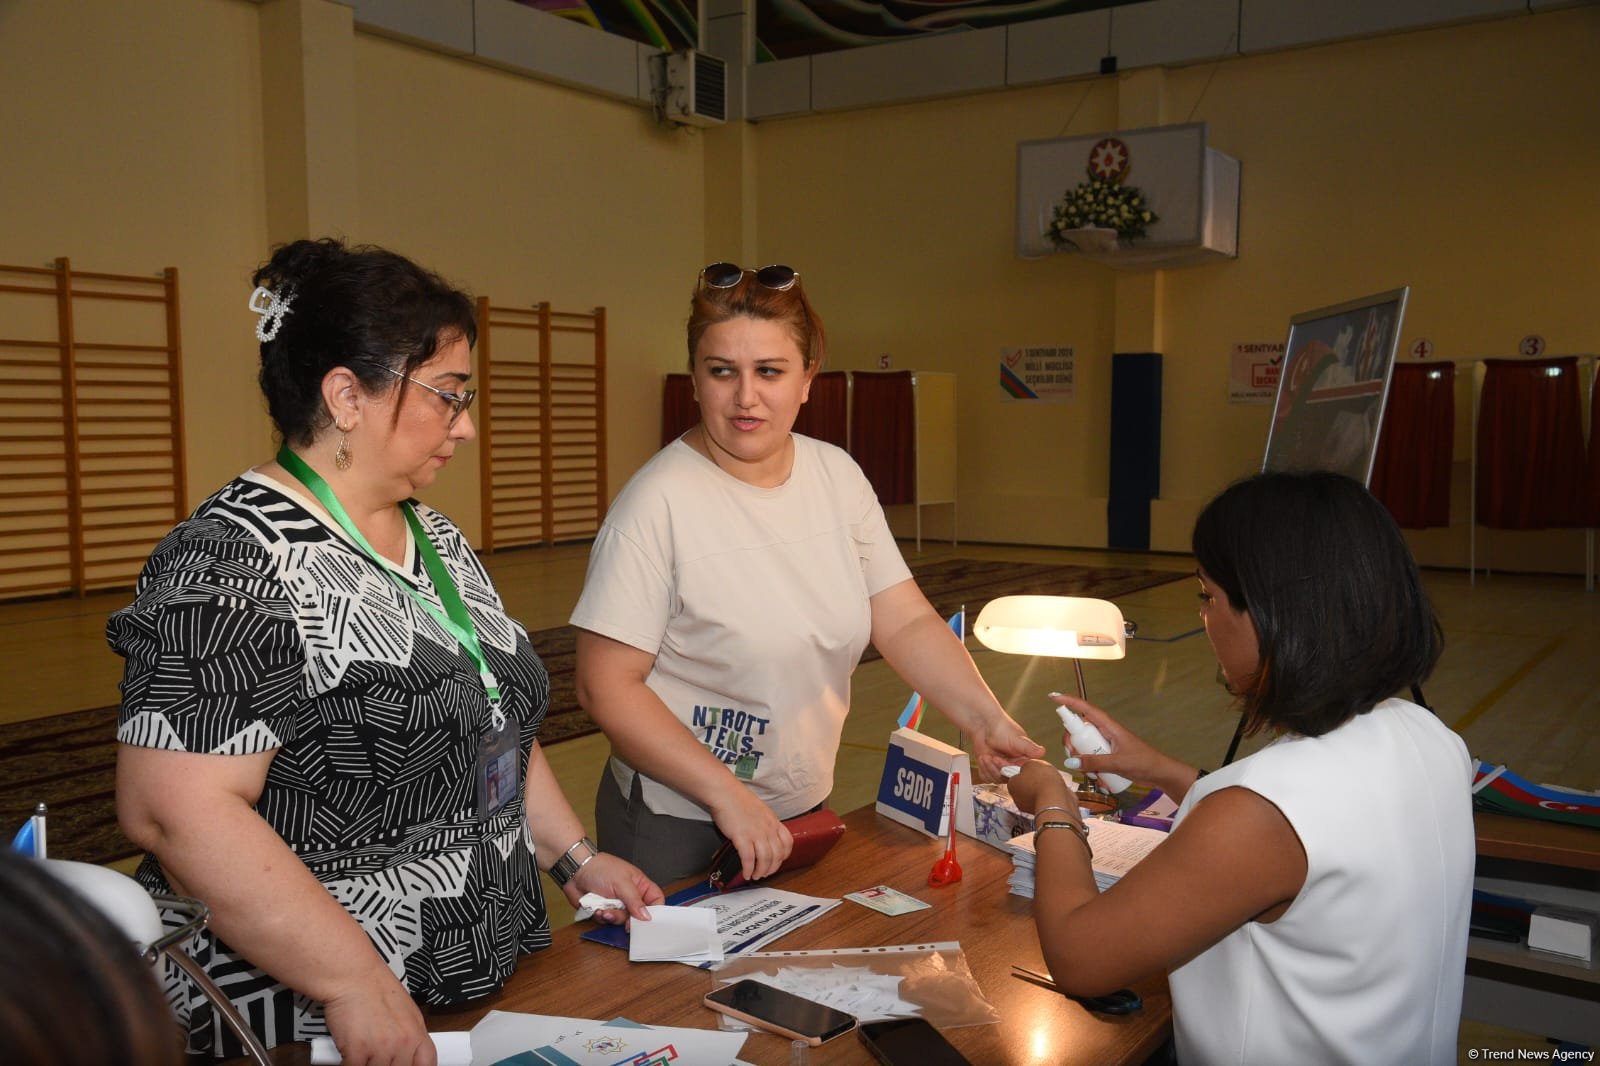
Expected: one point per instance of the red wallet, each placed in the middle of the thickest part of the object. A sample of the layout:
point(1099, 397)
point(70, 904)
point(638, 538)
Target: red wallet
point(814, 834)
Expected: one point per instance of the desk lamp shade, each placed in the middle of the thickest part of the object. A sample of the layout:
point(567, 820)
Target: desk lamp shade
point(1067, 627)
point(117, 896)
point(137, 915)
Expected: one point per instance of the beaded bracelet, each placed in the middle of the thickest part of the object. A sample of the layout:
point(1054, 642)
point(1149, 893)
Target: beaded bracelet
point(1079, 831)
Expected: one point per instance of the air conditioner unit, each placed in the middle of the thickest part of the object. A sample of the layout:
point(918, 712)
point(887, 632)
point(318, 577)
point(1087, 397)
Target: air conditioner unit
point(694, 88)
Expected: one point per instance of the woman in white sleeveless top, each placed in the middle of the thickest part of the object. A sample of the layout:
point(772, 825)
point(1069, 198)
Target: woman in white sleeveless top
point(1311, 904)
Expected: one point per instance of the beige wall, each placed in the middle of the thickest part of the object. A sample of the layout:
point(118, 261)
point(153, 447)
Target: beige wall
point(129, 154)
point(134, 142)
point(1460, 161)
point(524, 192)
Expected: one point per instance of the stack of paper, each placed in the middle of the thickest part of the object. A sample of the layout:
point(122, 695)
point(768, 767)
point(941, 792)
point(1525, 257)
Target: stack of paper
point(1117, 848)
point(506, 1039)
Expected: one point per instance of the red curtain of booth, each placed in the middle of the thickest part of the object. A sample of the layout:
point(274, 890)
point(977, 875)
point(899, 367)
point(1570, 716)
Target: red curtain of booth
point(1411, 472)
point(883, 434)
point(1530, 444)
point(825, 416)
point(678, 409)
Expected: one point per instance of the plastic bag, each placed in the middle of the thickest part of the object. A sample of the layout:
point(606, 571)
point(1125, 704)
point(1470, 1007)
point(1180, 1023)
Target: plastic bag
point(929, 981)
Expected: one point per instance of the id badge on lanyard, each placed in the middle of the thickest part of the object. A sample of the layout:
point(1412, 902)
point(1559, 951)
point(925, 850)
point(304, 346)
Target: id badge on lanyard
point(496, 775)
point(496, 779)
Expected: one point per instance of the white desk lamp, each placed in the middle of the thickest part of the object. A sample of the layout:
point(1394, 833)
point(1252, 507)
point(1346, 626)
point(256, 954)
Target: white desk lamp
point(1065, 627)
point(134, 911)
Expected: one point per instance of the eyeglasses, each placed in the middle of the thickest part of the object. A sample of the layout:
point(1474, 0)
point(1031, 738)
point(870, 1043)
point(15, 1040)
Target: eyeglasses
point(777, 277)
point(458, 401)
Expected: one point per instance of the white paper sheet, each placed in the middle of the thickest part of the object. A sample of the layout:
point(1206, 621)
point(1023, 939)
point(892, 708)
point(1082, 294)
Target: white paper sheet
point(502, 1034)
point(751, 918)
point(454, 1049)
point(676, 934)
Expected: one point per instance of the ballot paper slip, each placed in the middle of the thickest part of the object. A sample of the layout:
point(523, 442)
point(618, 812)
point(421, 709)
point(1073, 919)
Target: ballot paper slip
point(747, 920)
point(1117, 849)
point(505, 1038)
point(676, 934)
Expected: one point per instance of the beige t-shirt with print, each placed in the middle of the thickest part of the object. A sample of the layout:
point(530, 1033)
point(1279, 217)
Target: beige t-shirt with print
point(754, 602)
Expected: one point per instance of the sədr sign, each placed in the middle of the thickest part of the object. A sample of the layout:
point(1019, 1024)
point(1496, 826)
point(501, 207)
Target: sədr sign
point(915, 789)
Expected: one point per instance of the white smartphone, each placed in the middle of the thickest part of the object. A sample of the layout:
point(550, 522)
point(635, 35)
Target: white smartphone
point(780, 1012)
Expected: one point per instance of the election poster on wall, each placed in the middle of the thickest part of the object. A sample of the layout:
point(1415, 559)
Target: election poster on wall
point(1036, 373)
point(1253, 371)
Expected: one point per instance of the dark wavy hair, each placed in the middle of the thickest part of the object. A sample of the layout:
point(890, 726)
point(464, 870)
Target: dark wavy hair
point(360, 307)
point(1338, 606)
point(73, 990)
point(749, 299)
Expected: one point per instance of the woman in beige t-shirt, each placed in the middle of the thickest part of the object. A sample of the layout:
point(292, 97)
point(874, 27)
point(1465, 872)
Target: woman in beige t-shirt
point(738, 578)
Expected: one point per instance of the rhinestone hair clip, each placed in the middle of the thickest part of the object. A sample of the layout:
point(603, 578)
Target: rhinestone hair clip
point(272, 307)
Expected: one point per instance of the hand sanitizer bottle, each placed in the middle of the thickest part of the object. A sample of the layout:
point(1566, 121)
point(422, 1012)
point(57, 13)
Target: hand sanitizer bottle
point(1087, 740)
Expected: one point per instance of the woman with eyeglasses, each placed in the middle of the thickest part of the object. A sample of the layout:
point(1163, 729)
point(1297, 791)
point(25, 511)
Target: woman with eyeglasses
point(328, 727)
point(731, 591)
point(1313, 899)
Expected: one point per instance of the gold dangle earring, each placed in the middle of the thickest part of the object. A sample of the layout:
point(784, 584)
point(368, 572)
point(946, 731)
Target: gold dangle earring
point(342, 458)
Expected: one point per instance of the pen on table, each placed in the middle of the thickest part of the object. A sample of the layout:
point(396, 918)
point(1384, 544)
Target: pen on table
point(1022, 973)
point(1122, 1001)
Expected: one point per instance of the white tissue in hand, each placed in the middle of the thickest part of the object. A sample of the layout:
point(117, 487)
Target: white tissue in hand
point(454, 1049)
point(590, 902)
point(1010, 771)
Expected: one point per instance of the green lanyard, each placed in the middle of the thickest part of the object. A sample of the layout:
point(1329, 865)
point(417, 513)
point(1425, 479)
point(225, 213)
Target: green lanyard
point(459, 623)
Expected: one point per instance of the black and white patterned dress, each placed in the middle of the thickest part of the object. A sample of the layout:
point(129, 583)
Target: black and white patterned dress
point(256, 627)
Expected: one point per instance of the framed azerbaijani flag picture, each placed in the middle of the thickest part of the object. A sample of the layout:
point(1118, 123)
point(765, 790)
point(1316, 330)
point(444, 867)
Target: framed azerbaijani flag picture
point(1333, 384)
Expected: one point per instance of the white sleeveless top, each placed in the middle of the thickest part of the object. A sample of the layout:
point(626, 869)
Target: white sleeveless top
point(1366, 966)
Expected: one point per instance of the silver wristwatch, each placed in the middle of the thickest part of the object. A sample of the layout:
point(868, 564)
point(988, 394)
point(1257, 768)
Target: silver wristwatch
point(567, 867)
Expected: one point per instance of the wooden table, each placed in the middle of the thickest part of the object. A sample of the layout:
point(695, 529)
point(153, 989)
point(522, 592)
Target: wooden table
point(1507, 984)
point(580, 979)
point(1503, 836)
point(995, 929)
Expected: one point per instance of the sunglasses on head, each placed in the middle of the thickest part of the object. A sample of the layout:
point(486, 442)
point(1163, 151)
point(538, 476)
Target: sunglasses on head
point(726, 275)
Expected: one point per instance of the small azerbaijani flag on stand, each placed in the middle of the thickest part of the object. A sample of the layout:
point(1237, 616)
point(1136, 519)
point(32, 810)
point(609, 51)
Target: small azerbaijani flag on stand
point(911, 717)
point(30, 839)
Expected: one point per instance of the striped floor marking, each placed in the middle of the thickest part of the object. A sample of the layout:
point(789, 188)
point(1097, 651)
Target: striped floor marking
point(1511, 681)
